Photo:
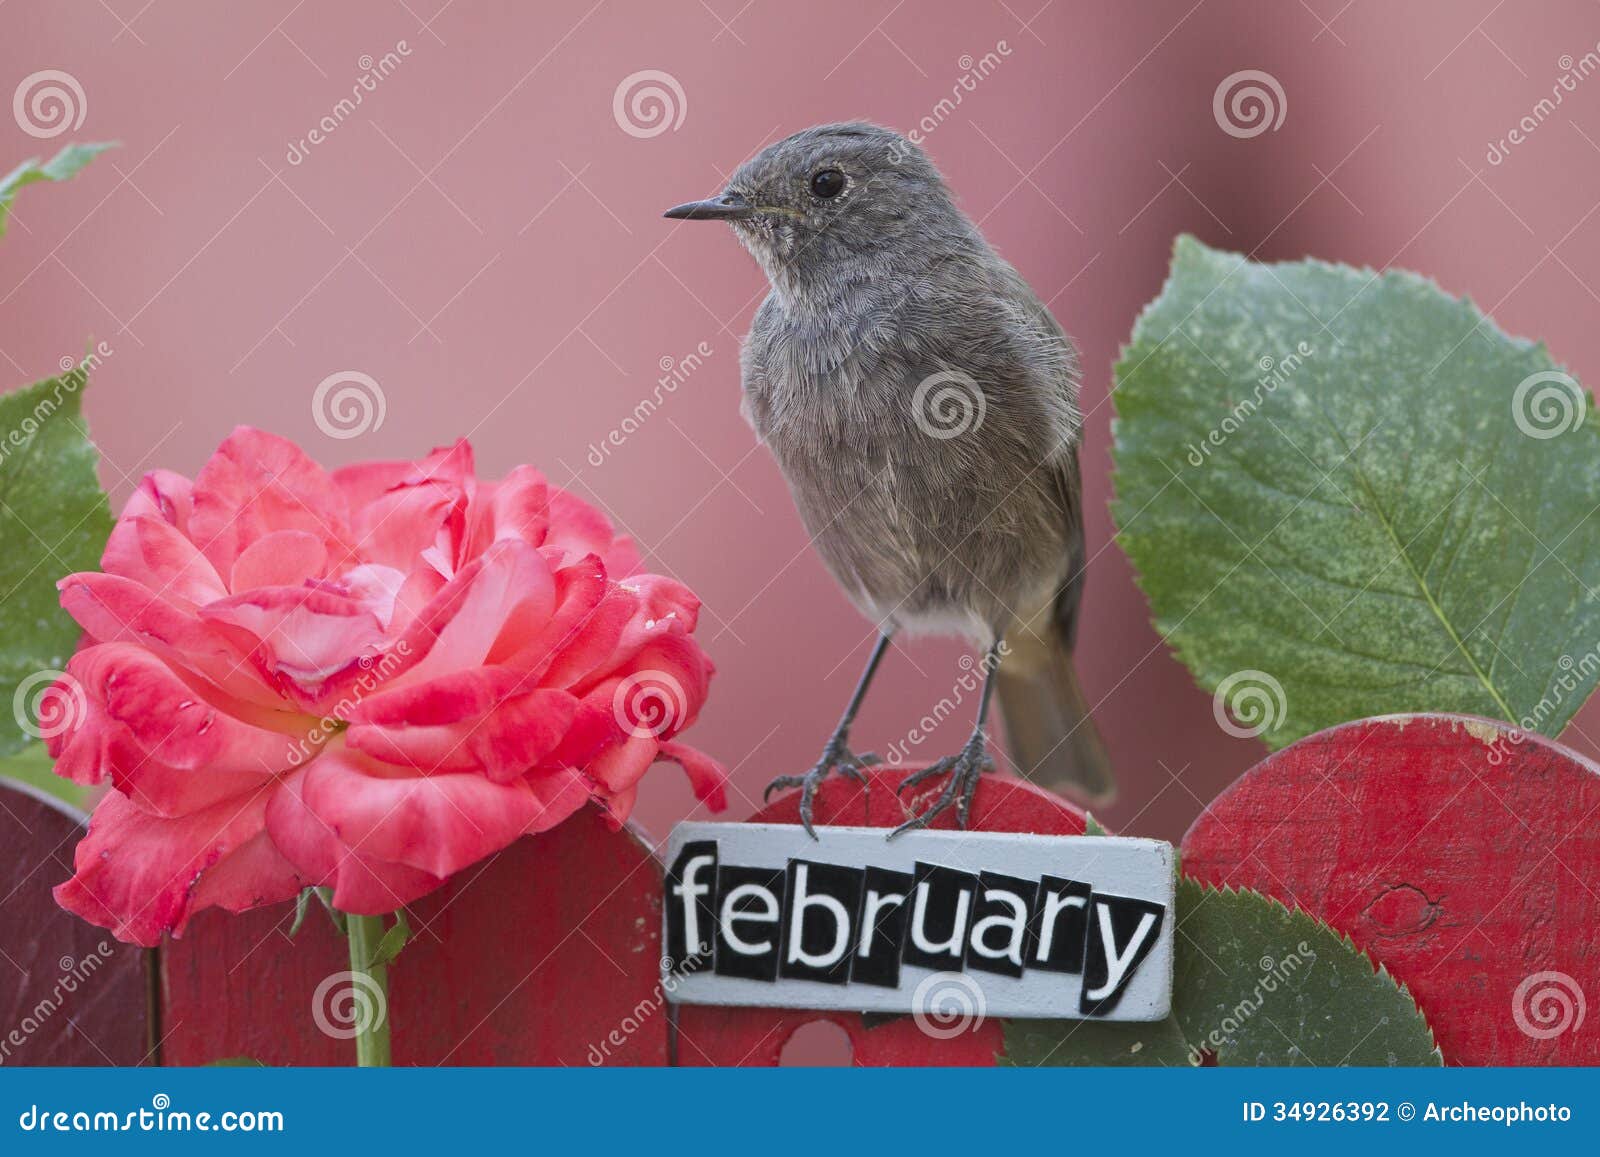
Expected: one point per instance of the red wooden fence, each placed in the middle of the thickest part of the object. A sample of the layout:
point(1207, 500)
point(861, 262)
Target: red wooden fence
point(547, 954)
point(69, 993)
point(1464, 857)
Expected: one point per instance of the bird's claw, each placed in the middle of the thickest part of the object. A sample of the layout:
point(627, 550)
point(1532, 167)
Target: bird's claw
point(963, 768)
point(836, 756)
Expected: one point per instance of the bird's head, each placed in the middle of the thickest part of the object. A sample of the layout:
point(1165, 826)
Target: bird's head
point(835, 202)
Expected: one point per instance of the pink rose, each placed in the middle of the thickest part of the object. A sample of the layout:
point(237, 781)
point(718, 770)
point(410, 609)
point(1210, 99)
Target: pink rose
point(368, 680)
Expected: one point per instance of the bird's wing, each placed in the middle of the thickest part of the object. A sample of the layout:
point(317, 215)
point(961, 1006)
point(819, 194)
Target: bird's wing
point(1053, 738)
point(1062, 457)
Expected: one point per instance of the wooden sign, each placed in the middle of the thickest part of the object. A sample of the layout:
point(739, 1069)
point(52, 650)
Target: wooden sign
point(1016, 925)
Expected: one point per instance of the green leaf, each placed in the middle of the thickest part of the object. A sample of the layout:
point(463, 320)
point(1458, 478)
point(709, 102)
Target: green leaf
point(340, 924)
point(1349, 494)
point(34, 767)
point(236, 1063)
point(393, 941)
point(1091, 826)
point(53, 520)
point(1031, 1043)
point(1259, 984)
point(302, 904)
point(64, 164)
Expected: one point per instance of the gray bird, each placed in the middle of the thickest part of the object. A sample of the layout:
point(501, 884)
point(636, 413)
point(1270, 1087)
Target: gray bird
point(923, 406)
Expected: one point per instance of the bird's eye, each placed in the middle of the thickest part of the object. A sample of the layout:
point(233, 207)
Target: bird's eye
point(827, 183)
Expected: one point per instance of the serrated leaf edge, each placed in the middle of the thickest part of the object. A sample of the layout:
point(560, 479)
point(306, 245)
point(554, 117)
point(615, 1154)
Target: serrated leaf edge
point(1378, 966)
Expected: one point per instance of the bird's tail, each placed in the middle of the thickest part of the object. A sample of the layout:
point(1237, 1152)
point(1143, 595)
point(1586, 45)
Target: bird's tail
point(1052, 740)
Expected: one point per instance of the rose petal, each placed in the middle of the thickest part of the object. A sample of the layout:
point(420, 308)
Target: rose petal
point(284, 558)
point(582, 635)
point(515, 507)
point(437, 824)
point(164, 495)
point(707, 778)
point(389, 673)
point(172, 746)
point(257, 483)
point(299, 636)
point(361, 885)
point(577, 529)
point(558, 794)
point(622, 766)
point(478, 720)
point(397, 527)
point(155, 554)
point(116, 609)
point(141, 875)
point(461, 626)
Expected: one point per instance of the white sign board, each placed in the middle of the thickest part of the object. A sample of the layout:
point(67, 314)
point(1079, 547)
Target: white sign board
point(1041, 926)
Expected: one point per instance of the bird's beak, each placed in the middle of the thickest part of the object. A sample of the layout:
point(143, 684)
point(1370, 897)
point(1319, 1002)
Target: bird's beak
point(728, 207)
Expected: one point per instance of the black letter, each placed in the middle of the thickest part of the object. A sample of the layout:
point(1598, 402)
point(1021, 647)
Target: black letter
point(690, 912)
point(883, 928)
point(941, 906)
point(749, 906)
point(1000, 941)
point(1121, 933)
point(819, 921)
point(1060, 923)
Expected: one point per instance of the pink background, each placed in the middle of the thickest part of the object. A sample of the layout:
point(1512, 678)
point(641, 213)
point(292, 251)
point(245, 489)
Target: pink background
point(484, 240)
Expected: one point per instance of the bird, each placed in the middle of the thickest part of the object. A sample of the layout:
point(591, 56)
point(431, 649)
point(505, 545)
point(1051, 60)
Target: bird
point(922, 404)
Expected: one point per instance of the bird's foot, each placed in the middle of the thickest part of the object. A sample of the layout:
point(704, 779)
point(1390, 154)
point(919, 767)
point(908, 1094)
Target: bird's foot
point(964, 768)
point(836, 756)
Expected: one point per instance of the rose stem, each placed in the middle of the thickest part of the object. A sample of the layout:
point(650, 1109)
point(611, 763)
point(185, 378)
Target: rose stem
point(372, 1041)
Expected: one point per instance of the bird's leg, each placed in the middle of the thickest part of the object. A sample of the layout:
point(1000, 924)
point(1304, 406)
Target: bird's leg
point(836, 752)
point(964, 767)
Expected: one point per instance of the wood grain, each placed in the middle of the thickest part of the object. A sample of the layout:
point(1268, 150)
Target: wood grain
point(546, 954)
point(69, 993)
point(1464, 857)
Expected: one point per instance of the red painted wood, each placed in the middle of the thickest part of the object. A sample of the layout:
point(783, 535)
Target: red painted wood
point(1465, 860)
point(756, 1036)
point(546, 954)
point(70, 994)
